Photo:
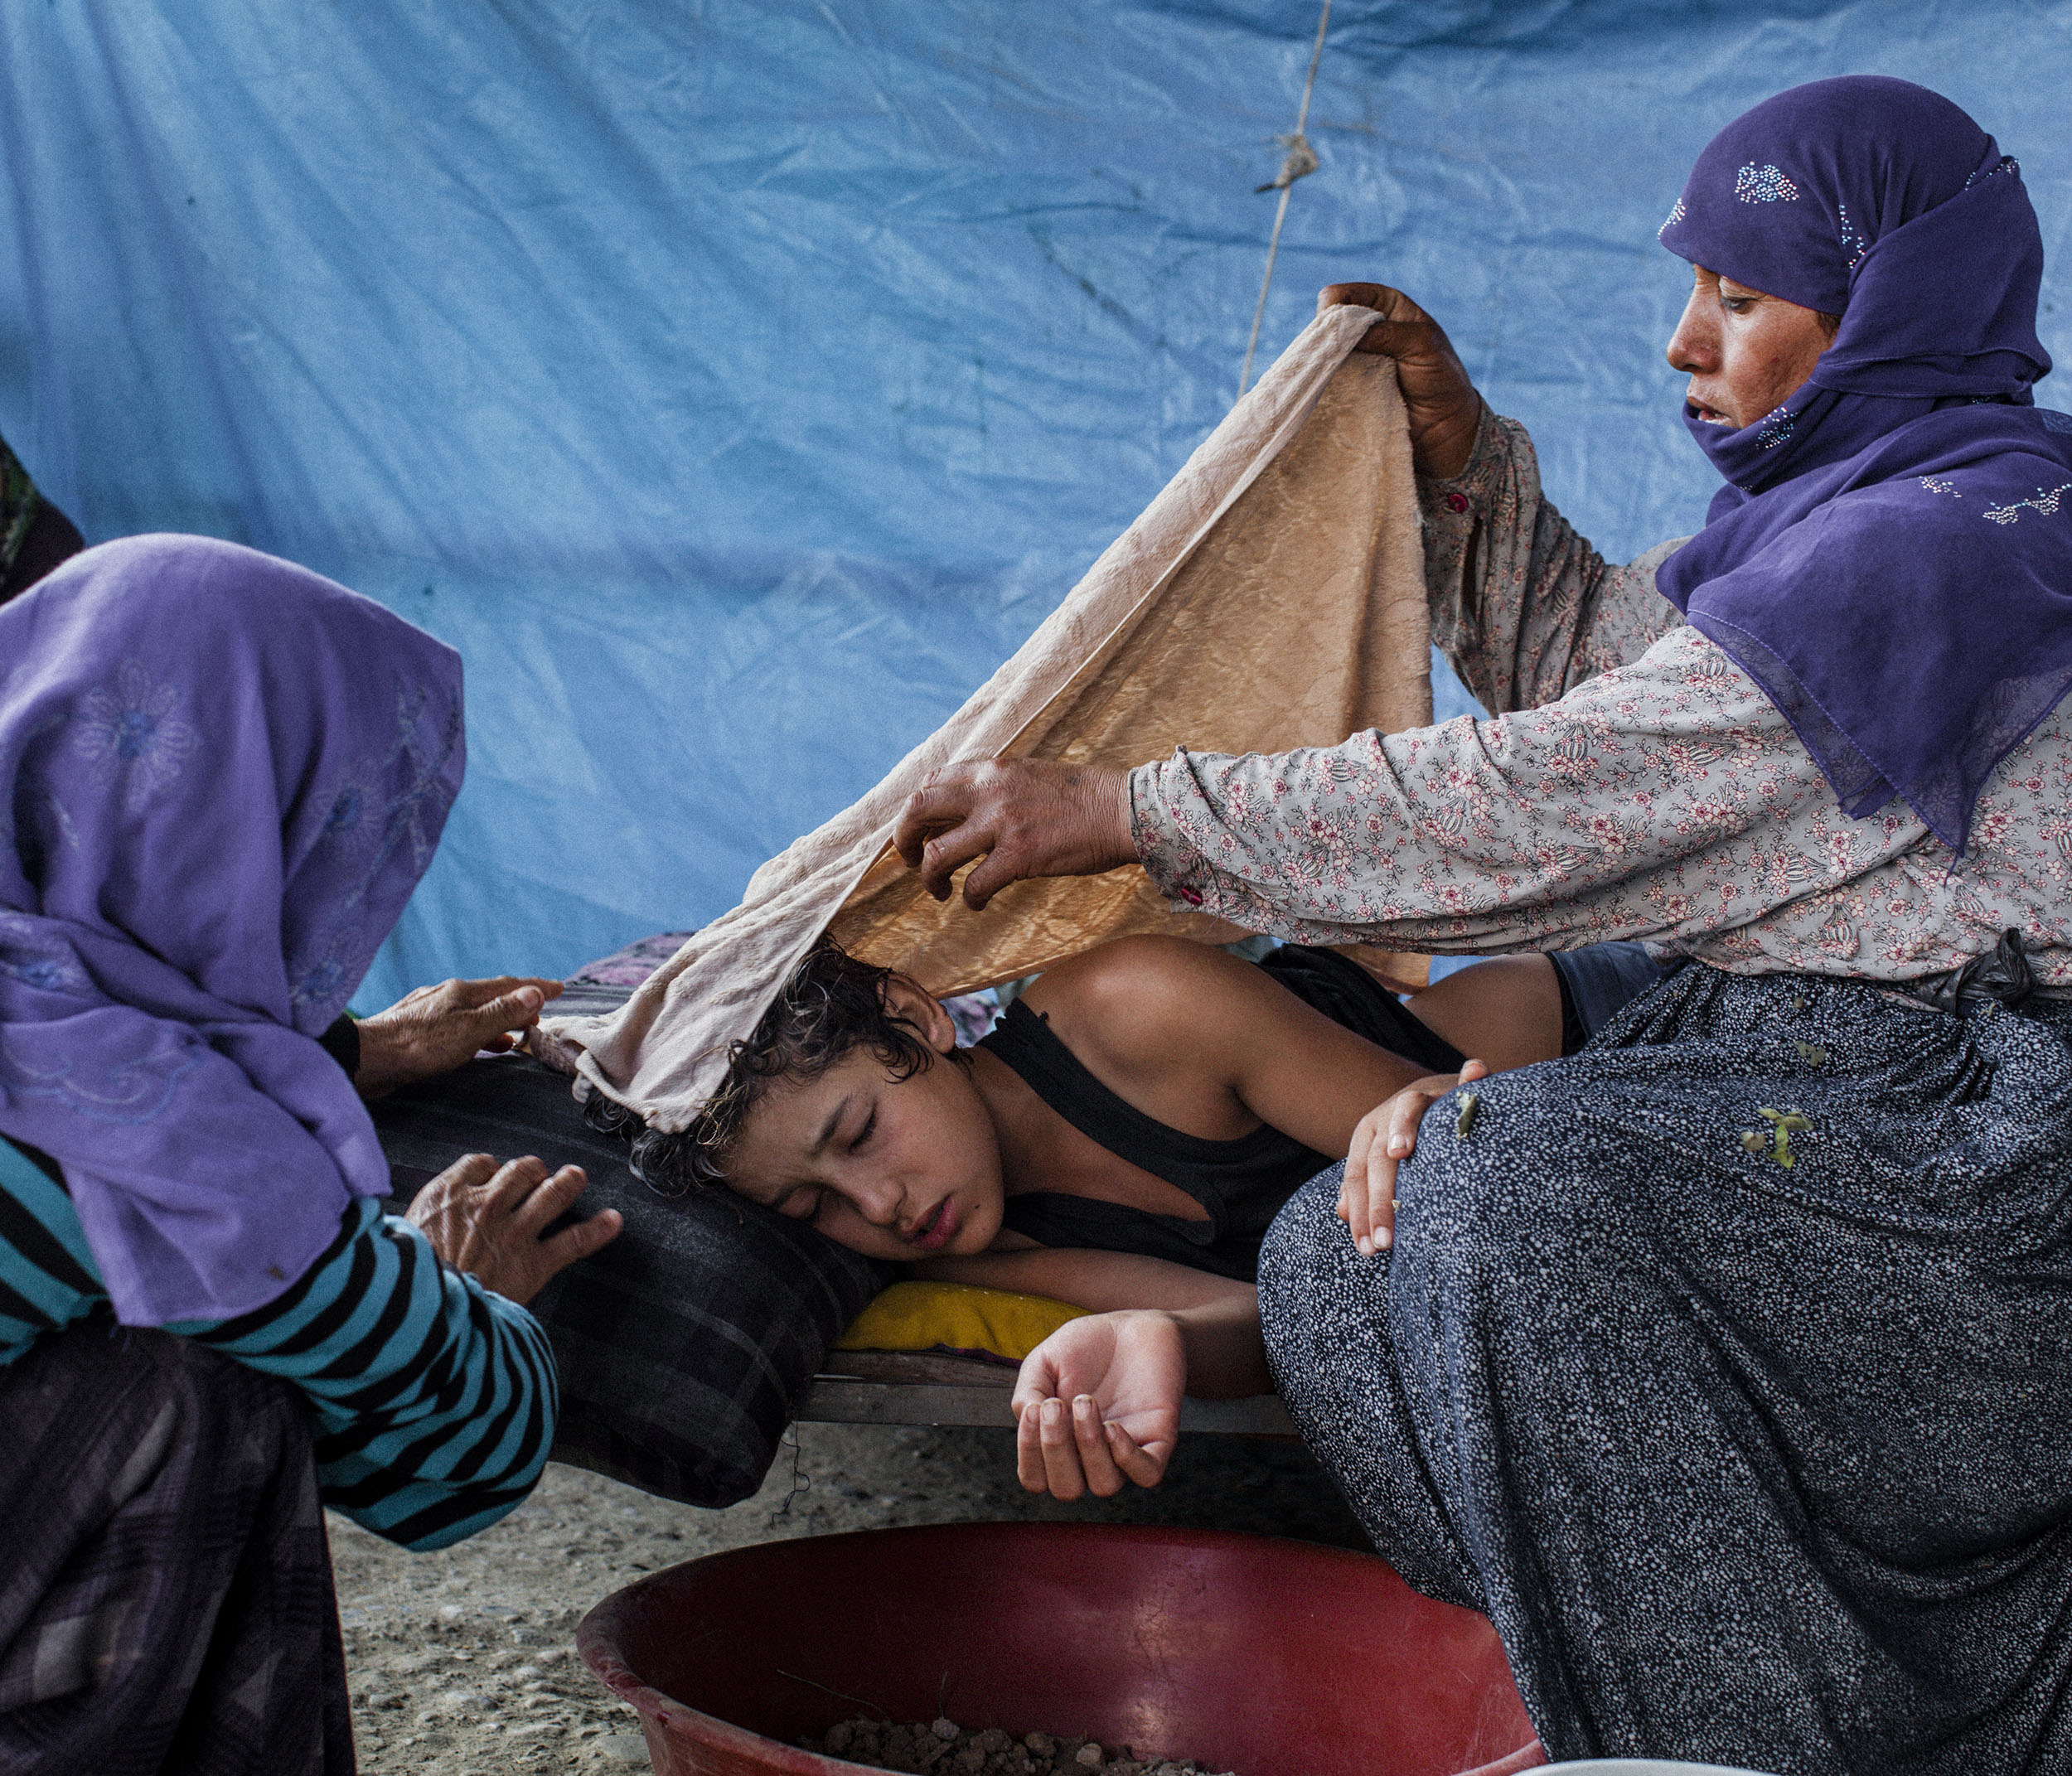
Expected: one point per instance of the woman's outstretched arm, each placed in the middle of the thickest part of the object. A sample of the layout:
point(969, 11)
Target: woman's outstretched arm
point(1662, 799)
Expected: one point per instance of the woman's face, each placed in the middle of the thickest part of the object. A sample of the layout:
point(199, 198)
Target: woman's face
point(1746, 353)
point(896, 1168)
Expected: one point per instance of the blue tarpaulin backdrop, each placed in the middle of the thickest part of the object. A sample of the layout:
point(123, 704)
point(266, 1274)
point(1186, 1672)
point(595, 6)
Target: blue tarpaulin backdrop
point(736, 385)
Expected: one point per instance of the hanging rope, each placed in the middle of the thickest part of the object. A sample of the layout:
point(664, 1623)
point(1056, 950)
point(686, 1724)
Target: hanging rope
point(1299, 161)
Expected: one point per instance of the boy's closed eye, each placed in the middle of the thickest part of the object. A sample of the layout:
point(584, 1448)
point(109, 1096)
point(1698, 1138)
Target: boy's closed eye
point(806, 1202)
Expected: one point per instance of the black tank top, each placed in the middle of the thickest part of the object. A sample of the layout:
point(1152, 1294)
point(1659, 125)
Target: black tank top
point(1240, 1184)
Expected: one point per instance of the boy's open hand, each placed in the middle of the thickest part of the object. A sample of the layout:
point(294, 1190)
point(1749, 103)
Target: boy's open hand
point(1097, 1403)
point(1385, 1137)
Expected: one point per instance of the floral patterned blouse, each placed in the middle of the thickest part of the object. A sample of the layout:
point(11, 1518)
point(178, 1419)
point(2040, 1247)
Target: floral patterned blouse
point(1633, 783)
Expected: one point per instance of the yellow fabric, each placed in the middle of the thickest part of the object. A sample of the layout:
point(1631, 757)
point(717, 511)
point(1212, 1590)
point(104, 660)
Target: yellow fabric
point(1272, 597)
point(955, 1316)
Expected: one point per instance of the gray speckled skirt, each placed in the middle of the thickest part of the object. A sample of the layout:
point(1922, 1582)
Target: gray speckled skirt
point(1754, 1464)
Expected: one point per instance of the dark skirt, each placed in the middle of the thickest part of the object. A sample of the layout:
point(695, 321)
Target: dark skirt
point(1760, 1464)
point(166, 1600)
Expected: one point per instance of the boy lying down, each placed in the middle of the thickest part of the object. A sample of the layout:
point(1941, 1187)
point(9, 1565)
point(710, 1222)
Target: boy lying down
point(1121, 1141)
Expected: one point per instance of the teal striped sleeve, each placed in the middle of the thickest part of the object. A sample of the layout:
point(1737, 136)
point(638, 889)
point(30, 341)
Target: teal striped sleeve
point(435, 1399)
point(47, 1275)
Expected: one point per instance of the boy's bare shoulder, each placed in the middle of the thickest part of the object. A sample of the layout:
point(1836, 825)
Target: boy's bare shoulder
point(1141, 1002)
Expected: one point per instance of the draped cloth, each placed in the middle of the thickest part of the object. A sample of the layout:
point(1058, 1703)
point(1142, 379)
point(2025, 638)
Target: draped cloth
point(1271, 597)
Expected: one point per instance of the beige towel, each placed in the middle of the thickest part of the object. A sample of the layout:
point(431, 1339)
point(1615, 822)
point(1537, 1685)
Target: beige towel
point(1272, 597)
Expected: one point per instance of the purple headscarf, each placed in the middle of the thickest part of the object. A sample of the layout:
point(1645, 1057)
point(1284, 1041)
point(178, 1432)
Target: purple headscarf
point(1889, 561)
point(225, 775)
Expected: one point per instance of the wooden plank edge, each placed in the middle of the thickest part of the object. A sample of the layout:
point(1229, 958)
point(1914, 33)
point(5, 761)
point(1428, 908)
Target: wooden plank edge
point(839, 1400)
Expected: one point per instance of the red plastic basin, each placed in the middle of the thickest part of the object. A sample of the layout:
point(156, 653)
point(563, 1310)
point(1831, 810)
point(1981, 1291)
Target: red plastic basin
point(1247, 1653)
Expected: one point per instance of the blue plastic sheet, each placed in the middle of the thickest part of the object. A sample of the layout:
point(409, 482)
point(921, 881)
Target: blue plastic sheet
point(736, 385)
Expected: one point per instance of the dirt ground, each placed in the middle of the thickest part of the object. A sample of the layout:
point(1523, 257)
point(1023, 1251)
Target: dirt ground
point(463, 1663)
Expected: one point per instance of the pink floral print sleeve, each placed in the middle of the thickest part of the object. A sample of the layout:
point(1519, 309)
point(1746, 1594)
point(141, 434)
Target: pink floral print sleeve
point(1633, 783)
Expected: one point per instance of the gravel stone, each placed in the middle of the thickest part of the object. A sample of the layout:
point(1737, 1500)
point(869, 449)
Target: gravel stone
point(987, 1752)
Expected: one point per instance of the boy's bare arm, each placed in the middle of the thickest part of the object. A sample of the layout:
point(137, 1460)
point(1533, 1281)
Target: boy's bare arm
point(1505, 1012)
point(1099, 1282)
point(1226, 1350)
point(1185, 1032)
point(1213, 1045)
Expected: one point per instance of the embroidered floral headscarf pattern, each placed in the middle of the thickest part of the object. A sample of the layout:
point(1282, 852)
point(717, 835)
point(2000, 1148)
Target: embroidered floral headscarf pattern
point(1887, 561)
point(224, 775)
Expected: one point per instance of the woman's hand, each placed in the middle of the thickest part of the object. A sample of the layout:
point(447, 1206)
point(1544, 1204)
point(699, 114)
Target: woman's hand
point(486, 1219)
point(1385, 1137)
point(435, 1029)
point(1025, 817)
point(1444, 411)
point(1098, 1402)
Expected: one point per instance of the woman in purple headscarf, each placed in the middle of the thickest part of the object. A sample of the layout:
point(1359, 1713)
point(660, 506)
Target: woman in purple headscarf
point(1723, 1360)
point(223, 776)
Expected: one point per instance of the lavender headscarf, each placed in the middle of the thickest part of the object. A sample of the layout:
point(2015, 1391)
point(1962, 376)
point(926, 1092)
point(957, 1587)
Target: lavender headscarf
point(224, 775)
point(1889, 560)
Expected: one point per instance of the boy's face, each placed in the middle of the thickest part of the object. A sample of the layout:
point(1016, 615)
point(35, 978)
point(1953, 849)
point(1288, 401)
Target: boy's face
point(900, 1169)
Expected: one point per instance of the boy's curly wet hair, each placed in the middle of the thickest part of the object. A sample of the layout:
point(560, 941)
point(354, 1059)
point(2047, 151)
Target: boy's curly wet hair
point(829, 1005)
